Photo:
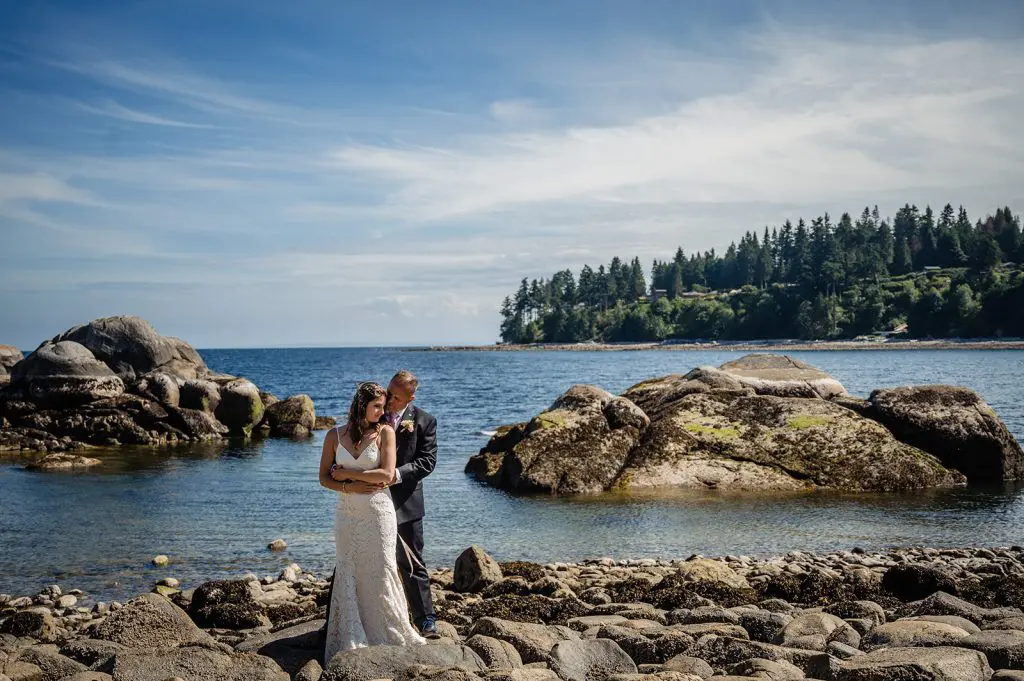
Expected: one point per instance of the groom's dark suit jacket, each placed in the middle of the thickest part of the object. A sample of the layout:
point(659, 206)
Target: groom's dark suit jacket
point(415, 458)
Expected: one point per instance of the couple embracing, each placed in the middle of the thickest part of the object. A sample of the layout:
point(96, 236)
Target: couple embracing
point(376, 463)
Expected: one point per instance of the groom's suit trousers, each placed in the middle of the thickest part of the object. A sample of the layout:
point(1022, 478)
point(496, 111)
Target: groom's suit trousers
point(417, 581)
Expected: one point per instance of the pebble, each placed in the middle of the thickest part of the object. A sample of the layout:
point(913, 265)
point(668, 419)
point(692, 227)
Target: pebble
point(160, 560)
point(170, 582)
point(277, 545)
point(68, 601)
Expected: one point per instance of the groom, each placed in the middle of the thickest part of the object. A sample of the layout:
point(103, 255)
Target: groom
point(416, 456)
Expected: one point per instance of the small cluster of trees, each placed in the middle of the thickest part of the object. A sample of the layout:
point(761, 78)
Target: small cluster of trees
point(822, 280)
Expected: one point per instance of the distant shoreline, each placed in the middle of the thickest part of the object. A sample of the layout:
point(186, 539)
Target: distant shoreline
point(783, 345)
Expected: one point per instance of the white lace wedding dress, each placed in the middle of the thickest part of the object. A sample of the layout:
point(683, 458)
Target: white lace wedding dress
point(369, 606)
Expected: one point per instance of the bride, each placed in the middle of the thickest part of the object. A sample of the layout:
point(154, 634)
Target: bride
point(368, 606)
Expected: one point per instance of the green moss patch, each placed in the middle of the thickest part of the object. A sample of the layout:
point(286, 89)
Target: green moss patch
point(805, 421)
point(712, 431)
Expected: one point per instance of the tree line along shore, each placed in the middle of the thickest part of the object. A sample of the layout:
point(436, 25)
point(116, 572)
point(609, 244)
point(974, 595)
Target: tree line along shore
point(917, 275)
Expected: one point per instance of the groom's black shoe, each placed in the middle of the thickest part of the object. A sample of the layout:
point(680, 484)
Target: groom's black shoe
point(429, 628)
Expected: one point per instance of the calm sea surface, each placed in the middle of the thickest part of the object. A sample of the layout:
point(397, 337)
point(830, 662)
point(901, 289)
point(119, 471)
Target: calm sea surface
point(213, 510)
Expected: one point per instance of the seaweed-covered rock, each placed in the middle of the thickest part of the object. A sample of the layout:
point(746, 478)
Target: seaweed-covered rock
point(710, 440)
point(569, 449)
point(755, 424)
point(293, 417)
point(956, 426)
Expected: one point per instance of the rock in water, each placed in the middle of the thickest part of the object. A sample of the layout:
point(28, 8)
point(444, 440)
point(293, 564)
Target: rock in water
point(955, 425)
point(571, 448)
point(9, 356)
point(65, 374)
point(710, 440)
point(240, 407)
point(132, 347)
point(293, 417)
point(62, 462)
point(783, 376)
point(758, 423)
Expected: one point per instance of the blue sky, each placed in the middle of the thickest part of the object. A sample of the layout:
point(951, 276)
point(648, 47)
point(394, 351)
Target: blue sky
point(255, 173)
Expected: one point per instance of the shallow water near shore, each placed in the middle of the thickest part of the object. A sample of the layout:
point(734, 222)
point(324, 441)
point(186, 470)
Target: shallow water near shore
point(213, 509)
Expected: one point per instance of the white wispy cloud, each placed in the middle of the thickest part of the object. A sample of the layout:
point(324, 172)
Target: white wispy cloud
point(112, 109)
point(425, 214)
point(829, 121)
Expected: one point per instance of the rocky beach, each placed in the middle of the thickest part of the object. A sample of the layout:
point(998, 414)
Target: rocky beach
point(923, 614)
point(759, 424)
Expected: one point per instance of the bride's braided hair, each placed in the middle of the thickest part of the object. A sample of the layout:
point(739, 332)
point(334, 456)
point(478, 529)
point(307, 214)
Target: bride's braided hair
point(366, 392)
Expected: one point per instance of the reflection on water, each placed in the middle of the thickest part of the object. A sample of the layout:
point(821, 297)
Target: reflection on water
point(213, 508)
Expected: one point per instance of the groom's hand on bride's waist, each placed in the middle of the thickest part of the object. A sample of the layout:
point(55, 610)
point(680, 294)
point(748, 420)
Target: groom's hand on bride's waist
point(359, 487)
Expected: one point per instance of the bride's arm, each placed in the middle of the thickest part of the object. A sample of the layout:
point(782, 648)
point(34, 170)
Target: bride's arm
point(327, 459)
point(385, 472)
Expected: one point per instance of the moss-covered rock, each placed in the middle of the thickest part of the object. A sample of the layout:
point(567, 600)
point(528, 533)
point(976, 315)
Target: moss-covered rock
point(763, 442)
point(759, 423)
point(240, 408)
point(293, 417)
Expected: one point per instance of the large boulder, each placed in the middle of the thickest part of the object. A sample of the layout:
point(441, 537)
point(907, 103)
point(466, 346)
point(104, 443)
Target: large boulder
point(65, 373)
point(196, 663)
point(941, 663)
point(132, 347)
point(953, 424)
point(760, 442)
point(475, 570)
point(241, 407)
point(293, 417)
point(533, 642)
point(151, 621)
point(592, 660)
point(783, 376)
point(572, 448)
point(9, 356)
point(387, 662)
point(754, 424)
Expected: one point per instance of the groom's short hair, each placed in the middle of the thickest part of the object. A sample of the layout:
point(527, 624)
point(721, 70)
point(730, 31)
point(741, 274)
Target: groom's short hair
point(406, 378)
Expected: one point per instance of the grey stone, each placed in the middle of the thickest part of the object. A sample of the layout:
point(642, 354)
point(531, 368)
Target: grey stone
point(495, 653)
point(475, 570)
point(917, 664)
point(151, 621)
point(589, 660)
point(383, 662)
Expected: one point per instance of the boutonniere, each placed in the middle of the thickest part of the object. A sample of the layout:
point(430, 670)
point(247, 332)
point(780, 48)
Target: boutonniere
point(407, 426)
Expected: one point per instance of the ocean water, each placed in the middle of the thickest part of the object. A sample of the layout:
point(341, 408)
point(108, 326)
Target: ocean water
point(213, 509)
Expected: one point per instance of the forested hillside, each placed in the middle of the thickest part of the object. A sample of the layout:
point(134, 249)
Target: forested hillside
point(937, 276)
